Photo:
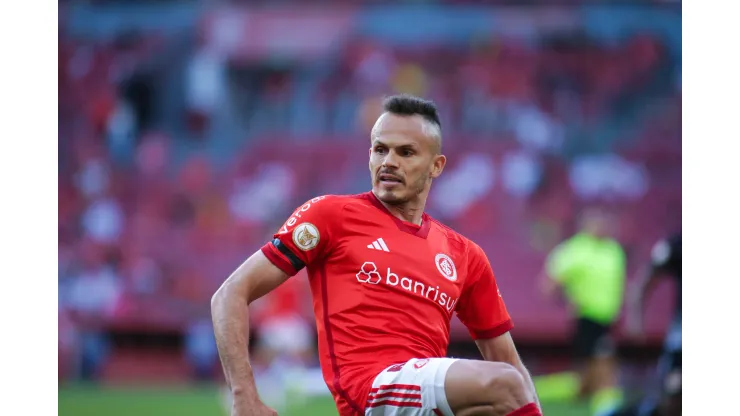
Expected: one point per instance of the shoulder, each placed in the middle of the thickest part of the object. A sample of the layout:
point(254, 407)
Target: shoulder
point(314, 214)
point(566, 245)
point(323, 211)
point(314, 220)
point(616, 246)
point(578, 243)
point(458, 243)
point(570, 249)
point(325, 201)
point(326, 204)
point(348, 207)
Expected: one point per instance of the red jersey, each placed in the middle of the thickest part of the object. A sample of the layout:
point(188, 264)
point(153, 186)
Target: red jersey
point(384, 290)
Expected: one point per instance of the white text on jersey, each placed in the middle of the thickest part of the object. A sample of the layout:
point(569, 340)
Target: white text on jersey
point(297, 214)
point(369, 274)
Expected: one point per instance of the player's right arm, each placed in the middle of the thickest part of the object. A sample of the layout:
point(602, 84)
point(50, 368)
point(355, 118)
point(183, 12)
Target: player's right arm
point(482, 310)
point(230, 313)
point(303, 239)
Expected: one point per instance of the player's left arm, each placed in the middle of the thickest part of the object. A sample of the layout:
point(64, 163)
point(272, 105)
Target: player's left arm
point(502, 349)
point(482, 310)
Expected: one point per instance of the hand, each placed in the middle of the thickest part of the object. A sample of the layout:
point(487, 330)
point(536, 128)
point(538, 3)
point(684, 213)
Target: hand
point(254, 408)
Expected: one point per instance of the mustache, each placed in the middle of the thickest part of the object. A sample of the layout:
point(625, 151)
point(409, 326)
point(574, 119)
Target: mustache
point(389, 174)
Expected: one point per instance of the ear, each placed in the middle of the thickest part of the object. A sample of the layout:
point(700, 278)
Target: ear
point(370, 159)
point(438, 165)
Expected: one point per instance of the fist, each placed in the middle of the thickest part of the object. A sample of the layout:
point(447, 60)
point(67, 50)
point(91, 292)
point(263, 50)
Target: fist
point(252, 409)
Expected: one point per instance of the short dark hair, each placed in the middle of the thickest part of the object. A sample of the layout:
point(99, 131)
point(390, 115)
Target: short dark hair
point(409, 105)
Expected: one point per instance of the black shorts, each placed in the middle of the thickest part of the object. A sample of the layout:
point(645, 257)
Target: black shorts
point(592, 339)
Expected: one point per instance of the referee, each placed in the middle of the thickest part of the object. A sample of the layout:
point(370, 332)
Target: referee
point(588, 270)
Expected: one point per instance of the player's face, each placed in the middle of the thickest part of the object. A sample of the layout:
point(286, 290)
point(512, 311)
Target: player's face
point(404, 158)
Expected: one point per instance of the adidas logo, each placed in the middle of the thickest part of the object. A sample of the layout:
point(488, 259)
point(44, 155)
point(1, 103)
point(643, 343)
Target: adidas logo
point(378, 244)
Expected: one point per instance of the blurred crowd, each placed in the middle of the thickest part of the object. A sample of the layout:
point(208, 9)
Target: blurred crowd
point(168, 179)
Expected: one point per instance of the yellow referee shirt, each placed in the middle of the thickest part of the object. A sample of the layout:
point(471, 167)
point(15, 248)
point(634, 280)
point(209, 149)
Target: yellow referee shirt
point(592, 273)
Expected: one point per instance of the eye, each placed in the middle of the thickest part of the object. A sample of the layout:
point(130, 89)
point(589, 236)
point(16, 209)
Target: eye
point(407, 152)
point(379, 149)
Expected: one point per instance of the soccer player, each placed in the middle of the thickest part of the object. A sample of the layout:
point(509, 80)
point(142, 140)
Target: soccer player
point(665, 262)
point(385, 279)
point(589, 269)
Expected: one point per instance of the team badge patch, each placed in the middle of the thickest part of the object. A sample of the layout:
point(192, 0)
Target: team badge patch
point(306, 236)
point(445, 266)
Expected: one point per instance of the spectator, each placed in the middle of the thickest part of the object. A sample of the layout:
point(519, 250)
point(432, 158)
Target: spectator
point(91, 298)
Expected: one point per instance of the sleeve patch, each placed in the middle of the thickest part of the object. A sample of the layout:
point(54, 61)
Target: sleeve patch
point(306, 236)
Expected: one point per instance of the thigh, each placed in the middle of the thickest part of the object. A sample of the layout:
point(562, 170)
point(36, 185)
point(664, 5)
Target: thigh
point(473, 384)
point(414, 388)
point(592, 340)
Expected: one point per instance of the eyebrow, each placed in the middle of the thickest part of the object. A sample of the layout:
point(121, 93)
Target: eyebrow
point(376, 142)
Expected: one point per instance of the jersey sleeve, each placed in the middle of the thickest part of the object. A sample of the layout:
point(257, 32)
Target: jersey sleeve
point(481, 308)
point(305, 237)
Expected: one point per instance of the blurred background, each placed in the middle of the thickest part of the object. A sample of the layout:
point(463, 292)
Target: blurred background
point(190, 130)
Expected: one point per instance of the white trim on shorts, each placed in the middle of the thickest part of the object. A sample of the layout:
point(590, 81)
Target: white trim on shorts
point(414, 388)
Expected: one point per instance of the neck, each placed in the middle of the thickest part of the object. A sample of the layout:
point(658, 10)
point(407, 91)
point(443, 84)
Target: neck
point(410, 211)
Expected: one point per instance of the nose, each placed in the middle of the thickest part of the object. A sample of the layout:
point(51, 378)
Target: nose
point(390, 160)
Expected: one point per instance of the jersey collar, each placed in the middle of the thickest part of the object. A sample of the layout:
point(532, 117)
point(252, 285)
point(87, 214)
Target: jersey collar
point(407, 227)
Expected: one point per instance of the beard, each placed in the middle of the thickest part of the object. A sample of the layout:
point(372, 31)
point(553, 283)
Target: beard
point(404, 194)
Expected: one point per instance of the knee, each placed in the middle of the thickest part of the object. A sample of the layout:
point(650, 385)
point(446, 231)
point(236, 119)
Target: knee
point(505, 384)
